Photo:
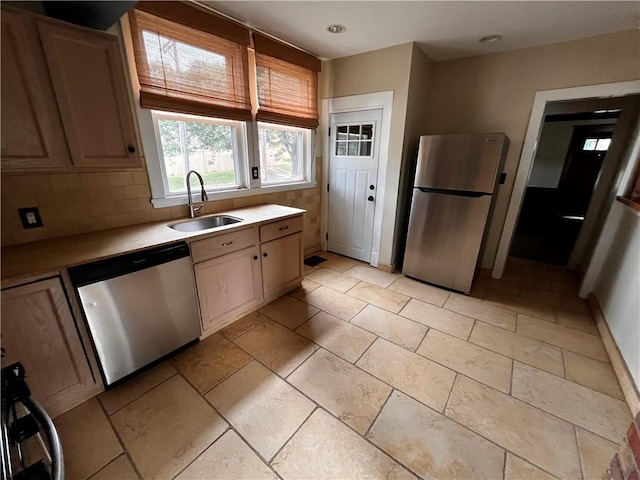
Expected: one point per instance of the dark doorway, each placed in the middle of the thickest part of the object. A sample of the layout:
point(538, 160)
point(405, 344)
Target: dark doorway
point(554, 208)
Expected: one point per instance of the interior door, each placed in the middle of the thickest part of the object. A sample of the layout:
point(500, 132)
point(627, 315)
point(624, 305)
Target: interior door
point(353, 171)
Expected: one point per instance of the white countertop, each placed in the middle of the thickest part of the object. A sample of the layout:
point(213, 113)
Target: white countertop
point(31, 260)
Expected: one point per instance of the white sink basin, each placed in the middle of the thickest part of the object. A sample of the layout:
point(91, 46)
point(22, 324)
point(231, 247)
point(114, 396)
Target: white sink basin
point(205, 223)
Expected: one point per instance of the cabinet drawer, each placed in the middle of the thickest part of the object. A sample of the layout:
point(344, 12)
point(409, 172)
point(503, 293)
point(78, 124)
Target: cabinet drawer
point(223, 244)
point(281, 228)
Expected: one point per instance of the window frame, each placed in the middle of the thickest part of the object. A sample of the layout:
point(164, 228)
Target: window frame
point(239, 146)
point(307, 152)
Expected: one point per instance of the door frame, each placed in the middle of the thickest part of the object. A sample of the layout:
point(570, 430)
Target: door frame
point(527, 157)
point(355, 103)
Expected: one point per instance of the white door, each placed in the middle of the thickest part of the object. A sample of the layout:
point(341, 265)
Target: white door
point(353, 171)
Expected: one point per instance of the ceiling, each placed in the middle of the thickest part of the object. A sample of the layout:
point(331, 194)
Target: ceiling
point(443, 29)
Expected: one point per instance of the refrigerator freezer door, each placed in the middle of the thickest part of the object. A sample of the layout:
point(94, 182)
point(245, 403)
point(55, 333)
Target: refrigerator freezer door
point(443, 242)
point(459, 162)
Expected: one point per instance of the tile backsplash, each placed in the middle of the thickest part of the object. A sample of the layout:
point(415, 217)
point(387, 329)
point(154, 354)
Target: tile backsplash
point(72, 203)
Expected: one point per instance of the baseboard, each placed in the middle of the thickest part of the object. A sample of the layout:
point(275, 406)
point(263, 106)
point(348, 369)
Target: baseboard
point(629, 389)
point(309, 250)
point(385, 267)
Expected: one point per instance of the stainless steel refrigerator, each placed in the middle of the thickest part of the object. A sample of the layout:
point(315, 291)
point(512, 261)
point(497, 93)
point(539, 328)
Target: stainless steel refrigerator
point(456, 179)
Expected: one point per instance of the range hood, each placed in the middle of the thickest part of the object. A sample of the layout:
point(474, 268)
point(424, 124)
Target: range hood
point(98, 15)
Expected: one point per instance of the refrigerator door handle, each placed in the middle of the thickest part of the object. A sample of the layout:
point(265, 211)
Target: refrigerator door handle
point(458, 193)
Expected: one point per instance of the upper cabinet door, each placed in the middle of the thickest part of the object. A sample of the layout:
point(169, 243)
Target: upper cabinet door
point(32, 134)
point(90, 85)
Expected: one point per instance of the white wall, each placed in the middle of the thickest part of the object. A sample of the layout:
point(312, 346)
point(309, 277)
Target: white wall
point(617, 287)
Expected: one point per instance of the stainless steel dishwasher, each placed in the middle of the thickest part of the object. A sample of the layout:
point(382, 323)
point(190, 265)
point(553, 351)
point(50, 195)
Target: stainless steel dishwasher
point(139, 307)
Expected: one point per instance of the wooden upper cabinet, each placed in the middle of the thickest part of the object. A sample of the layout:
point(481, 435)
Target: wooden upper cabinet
point(89, 81)
point(32, 135)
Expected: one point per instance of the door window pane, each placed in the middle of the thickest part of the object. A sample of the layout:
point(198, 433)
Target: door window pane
point(590, 144)
point(603, 144)
point(354, 140)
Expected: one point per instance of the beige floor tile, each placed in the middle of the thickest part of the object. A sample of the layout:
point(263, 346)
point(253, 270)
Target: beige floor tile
point(591, 410)
point(354, 396)
point(125, 393)
point(264, 409)
point(526, 279)
point(569, 302)
point(518, 469)
point(580, 321)
point(335, 303)
point(243, 325)
point(228, 458)
point(478, 309)
point(372, 275)
point(390, 326)
point(119, 469)
point(289, 311)
point(88, 441)
point(595, 453)
point(325, 448)
point(209, 362)
point(378, 296)
point(305, 288)
point(561, 336)
point(424, 380)
point(592, 373)
point(566, 288)
point(277, 347)
point(331, 279)
point(509, 288)
point(530, 433)
point(336, 263)
point(167, 428)
point(432, 445)
point(521, 305)
point(338, 336)
point(520, 347)
point(470, 360)
point(421, 291)
point(435, 317)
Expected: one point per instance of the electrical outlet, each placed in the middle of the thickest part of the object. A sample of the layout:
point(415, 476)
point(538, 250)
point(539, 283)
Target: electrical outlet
point(30, 217)
point(255, 173)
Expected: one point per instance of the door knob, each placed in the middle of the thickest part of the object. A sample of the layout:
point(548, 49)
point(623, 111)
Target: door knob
point(370, 198)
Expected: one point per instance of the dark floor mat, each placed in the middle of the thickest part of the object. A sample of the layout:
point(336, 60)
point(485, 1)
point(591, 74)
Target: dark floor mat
point(314, 260)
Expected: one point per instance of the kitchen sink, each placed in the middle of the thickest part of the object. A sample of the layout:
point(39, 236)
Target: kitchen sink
point(205, 223)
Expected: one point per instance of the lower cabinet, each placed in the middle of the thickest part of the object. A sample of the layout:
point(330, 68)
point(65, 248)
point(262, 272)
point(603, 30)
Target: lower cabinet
point(281, 265)
point(228, 285)
point(38, 330)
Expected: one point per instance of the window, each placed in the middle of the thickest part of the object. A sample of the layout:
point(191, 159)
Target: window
point(354, 140)
point(282, 153)
point(213, 147)
point(198, 111)
point(597, 144)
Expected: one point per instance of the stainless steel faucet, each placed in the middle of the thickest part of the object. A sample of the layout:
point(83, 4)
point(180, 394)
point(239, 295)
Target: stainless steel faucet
point(195, 209)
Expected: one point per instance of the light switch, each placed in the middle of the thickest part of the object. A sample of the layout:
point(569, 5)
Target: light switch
point(30, 217)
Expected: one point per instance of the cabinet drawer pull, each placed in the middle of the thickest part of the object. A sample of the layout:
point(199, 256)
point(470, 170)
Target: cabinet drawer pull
point(226, 244)
point(131, 149)
point(255, 257)
point(283, 228)
point(264, 254)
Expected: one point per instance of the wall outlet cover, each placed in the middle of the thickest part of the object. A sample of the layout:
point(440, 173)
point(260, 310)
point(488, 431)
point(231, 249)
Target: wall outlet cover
point(30, 217)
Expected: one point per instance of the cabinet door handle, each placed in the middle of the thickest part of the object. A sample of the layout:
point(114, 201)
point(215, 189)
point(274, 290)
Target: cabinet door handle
point(255, 257)
point(226, 244)
point(131, 149)
point(283, 228)
point(264, 254)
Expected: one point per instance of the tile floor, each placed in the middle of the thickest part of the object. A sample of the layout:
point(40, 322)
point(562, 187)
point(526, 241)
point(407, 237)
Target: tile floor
point(365, 374)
